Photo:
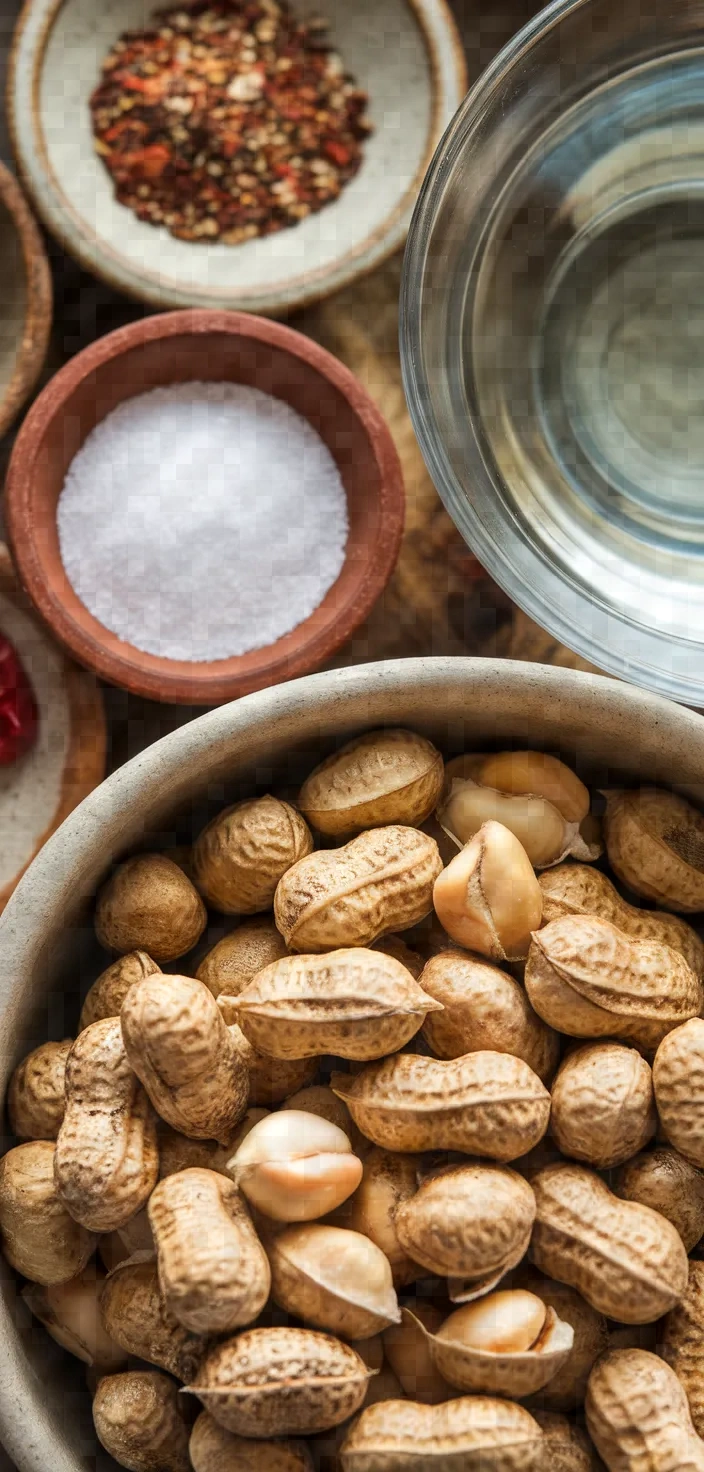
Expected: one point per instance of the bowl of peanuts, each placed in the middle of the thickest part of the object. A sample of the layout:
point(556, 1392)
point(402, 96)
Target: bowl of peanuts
point(353, 1059)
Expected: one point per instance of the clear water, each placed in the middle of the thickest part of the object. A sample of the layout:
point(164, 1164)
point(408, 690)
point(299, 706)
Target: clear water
point(587, 335)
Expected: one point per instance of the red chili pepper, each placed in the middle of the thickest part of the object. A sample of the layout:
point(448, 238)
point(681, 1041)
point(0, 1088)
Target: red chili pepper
point(19, 717)
point(337, 152)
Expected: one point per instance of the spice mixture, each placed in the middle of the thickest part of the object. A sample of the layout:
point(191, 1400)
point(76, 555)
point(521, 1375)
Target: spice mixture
point(202, 521)
point(228, 119)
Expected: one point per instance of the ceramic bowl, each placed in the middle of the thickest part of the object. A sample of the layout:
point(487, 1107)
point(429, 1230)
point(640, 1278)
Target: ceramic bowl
point(405, 53)
point(273, 736)
point(25, 300)
point(176, 348)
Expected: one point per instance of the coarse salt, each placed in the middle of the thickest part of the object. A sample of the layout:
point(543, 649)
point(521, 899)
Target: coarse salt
point(202, 521)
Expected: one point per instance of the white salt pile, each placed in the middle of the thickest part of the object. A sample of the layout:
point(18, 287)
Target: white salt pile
point(202, 521)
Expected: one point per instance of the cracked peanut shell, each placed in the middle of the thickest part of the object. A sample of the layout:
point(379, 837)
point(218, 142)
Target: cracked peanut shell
point(626, 1260)
point(482, 1104)
point(469, 1434)
point(382, 777)
point(579, 889)
point(353, 1003)
point(242, 854)
point(281, 1382)
point(515, 1373)
point(378, 883)
point(333, 1279)
point(587, 979)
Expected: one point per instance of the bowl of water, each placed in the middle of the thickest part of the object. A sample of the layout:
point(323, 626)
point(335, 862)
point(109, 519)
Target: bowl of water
point(552, 331)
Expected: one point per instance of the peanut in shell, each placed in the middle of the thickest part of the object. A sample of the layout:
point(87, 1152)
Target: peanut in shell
point(587, 979)
point(484, 1009)
point(482, 1104)
point(383, 777)
point(469, 1434)
point(655, 844)
point(150, 905)
point(378, 883)
point(638, 1417)
point(353, 1003)
point(665, 1181)
point(281, 1382)
point(213, 1271)
point(242, 854)
point(106, 1161)
point(136, 1317)
point(567, 1448)
point(36, 1096)
point(683, 1343)
point(626, 1260)
point(678, 1079)
point(40, 1238)
point(603, 1106)
point(212, 1449)
point(579, 889)
point(179, 1047)
point(139, 1419)
point(471, 1223)
point(107, 994)
point(234, 961)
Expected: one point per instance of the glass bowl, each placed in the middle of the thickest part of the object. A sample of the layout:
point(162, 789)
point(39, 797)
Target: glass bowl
point(552, 331)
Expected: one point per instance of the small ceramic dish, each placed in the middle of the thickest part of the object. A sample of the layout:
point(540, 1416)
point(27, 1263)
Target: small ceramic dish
point(405, 53)
point(25, 300)
point(68, 758)
point(182, 347)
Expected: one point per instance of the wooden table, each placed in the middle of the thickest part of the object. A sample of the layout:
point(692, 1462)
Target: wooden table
point(435, 603)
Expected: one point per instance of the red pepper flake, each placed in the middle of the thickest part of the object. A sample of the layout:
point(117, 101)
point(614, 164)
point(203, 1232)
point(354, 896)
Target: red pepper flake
point(217, 89)
point(19, 717)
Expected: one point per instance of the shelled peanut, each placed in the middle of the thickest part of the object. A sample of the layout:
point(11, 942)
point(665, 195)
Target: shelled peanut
point(400, 1154)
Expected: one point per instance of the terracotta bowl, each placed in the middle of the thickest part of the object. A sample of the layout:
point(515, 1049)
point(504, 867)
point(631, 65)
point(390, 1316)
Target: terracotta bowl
point(25, 300)
point(610, 730)
point(406, 54)
point(216, 346)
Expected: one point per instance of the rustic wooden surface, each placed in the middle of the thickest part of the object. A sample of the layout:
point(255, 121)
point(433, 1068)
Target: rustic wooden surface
point(434, 604)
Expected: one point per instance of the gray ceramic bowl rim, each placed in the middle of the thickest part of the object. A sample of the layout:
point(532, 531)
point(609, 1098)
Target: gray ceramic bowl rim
point(448, 70)
point(544, 591)
point(334, 702)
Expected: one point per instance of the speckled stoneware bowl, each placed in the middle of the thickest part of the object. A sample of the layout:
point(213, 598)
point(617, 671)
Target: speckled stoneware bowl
point(610, 730)
point(405, 53)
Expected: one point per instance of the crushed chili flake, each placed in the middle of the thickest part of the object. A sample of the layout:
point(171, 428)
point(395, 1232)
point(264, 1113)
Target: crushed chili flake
point(228, 119)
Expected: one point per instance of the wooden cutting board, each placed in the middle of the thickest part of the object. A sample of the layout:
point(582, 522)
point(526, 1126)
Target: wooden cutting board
point(68, 758)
